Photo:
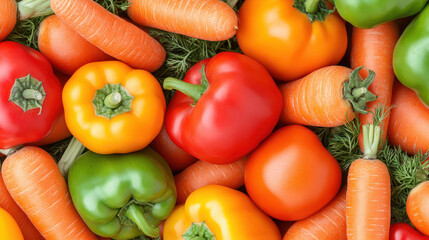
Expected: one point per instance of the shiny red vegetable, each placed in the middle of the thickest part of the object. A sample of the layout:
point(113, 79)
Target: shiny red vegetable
point(403, 231)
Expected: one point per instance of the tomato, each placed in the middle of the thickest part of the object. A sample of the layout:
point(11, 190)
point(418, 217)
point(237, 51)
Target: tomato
point(291, 176)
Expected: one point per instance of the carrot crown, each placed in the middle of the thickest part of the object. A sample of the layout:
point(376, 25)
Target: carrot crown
point(315, 10)
point(371, 140)
point(356, 90)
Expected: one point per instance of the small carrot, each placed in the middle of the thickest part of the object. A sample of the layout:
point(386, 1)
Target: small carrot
point(409, 121)
point(327, 97)
point(212, 20)
point(203, 173)
point(8, 13)
point(368, 192)
point(417, 207)
point(328, 223)
point(66, 49)
point(373, 48)
point(110, 33)
point(7, 203)
point(37, 186)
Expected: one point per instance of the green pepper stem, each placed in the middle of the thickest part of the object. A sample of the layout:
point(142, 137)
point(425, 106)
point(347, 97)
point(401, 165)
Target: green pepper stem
point(34, 8)
point(371, 140)
point(73, 151)
point(194, 91)
point(311, 6)
point(136, 214)
point(32, 94)
point(113, 100)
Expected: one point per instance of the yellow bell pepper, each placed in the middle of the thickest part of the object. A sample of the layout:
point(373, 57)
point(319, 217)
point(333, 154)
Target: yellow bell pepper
point(112, 108)
point(219, 213)
point(8, 228)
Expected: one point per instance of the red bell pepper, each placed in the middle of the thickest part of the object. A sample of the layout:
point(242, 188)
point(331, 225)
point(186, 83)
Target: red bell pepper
point(403, 231)
point(30, 95)
point(226, 106)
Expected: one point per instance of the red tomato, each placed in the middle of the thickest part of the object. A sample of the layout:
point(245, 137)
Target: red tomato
point(290, 176)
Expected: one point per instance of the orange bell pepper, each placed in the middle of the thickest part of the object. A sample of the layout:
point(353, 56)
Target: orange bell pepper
point(8, 227)
point(221, 213)
point(291, 38)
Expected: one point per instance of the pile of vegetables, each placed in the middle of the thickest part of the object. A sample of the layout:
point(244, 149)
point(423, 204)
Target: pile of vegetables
point(210, 119)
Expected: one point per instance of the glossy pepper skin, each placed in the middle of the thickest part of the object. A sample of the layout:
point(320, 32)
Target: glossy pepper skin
point(110, 192)
point(9, 229)
point(411, 56)
point(403, 231)
point(30, 95)
point(112, 108)
point(286, 41)
point(227, 213)
point(370, 13)
point(238, 108)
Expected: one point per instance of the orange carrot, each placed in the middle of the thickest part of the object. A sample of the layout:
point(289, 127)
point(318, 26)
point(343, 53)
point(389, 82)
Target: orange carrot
point(328, 223)
point(37, 186)
point(66, 49)
point(202, 173)
point(417, 207)
point(211, 20)
point(409, 121)
point(323, 99)
point(8, 17)
point(373, 48)
point(110, 33)
point(368, 192)
point(7, 203)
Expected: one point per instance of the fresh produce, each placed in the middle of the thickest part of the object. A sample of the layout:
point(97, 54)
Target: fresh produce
point(327, 97)
point(231, 105)
point(211, 20)
point(291, 38)
point(411, 54)
point(403, 231)
point(291, 176)
point(176, 158)
point(417, 207)
point(368, 192)
point(30, 100)
point(373, 48)
point(327, 224)
point(110, 33)
point(368, 14)
point(112, 108)
point(8, 228)
point(65, 48)
point(203, 173)
point(134, 193)
point(218, 212)
point(37, 186)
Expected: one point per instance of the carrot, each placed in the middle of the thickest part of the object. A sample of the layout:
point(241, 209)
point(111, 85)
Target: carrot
point(203, 173)
point(409, 121)
point(328, 223)
point(66, 49)
point(110, 33)
point(211, 20)
point(7, 203)
point(327, 97)
point(368, 192)
point(417, 207)
point(37, 186)
point(8, 13)
point(373, 48)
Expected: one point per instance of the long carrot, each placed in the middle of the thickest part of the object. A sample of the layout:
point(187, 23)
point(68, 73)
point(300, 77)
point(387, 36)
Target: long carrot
point(37, 186)
point(327, 97)
point(110, 33)
point(368, 192)
point(409, 121)
point(8, 17)
point(203, 173)
point(417, 207)
point(7, 203)
point(328, 223)
point(373, 48)
point(211, 20)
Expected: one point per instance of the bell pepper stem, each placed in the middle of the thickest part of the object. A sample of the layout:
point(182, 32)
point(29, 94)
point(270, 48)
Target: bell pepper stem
point(371, 140)
point(136, 214)
point(194, 91)
point(311, 6)
point(73, 151)
point(113, 100)
point(34, 8)
point(32, 94)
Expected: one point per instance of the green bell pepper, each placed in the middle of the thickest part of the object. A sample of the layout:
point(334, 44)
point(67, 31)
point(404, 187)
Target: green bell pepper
point(369, 13)
point(122, 196)
point(411, 56)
